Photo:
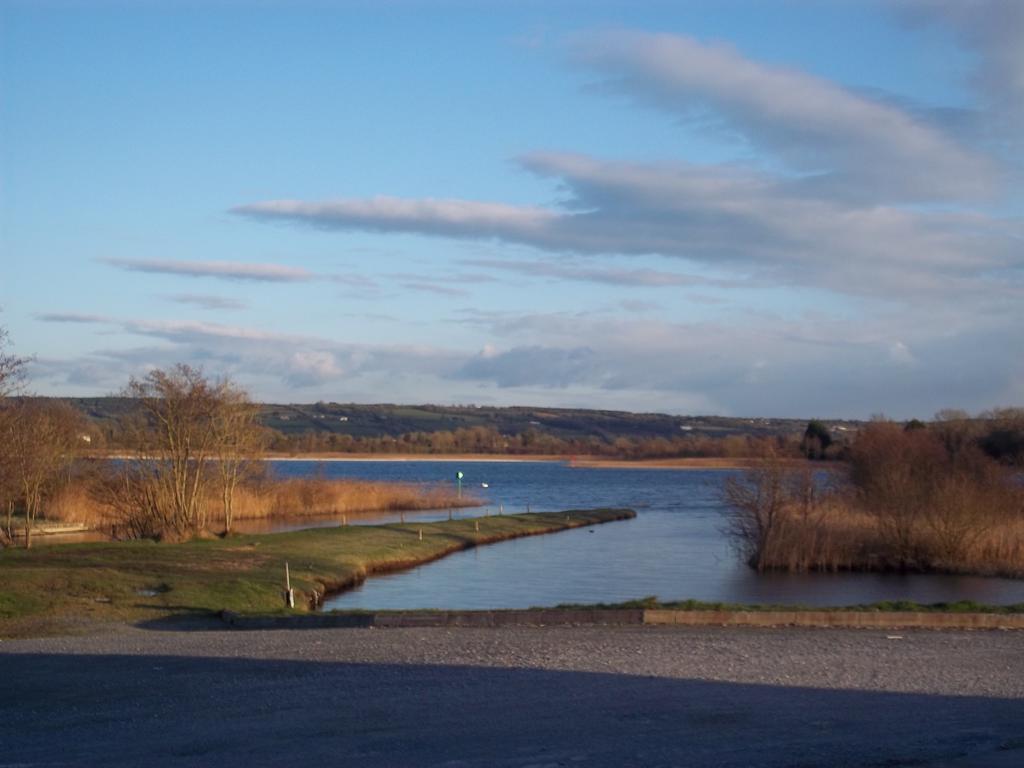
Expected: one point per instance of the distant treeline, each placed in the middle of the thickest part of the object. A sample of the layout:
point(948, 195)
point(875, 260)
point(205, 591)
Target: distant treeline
point(485, 440)
point(998, 433)
point(490, 441)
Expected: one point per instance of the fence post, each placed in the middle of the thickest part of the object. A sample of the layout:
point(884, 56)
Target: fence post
point(289, 594)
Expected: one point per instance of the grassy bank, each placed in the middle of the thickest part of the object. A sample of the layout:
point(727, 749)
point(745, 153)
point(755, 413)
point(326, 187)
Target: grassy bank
point(47, 590)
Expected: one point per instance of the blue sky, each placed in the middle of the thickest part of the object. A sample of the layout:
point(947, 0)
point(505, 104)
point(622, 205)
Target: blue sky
point(748, 208)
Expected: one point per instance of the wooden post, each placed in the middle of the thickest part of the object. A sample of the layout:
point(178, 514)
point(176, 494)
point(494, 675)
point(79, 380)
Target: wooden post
point(421, 534)
point(289, 594)
point(344, 519)
point(477, 525)
point(402, 516)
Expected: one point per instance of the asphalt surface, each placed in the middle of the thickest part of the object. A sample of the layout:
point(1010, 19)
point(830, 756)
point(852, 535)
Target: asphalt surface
point(604, 696)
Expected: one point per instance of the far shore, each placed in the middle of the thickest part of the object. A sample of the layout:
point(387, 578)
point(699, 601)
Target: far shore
point(583, 462)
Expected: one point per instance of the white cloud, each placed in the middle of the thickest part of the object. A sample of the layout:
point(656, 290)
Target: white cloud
point(900, 353)
point(992, 30)
point(642, 278)
point(746, 221)
point(842, 217)
point(812, 364)
point(452, 218)
point(205, 301)
point(309, 367)
point(816, 126)
point(227, 270)
point(71, 317)
point(435, 288)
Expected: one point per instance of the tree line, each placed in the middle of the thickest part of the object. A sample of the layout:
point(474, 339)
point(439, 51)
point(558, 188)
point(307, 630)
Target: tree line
point(999, 433)
point(488, 440)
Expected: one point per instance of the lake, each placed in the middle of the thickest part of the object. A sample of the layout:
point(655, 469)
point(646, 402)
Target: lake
point(674, 549)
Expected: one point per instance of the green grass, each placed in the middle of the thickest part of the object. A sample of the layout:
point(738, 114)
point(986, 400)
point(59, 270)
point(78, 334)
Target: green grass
point(652, 603)
point(44, 589)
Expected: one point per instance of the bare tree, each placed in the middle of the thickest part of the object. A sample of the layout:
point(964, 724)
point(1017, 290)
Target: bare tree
point(42, 436)
point(757, 499)
point(12, 368)
point(12, 374)
point(8, 485)
point(191, 436)
point(175, 442)
point(238, 443)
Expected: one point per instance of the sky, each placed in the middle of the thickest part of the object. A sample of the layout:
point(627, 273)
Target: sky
point(762, 208)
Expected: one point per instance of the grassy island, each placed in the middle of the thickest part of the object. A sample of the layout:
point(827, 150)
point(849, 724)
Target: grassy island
point(49, 589)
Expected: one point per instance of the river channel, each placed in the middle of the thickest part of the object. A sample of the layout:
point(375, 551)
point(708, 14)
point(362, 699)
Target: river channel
point(674, 548)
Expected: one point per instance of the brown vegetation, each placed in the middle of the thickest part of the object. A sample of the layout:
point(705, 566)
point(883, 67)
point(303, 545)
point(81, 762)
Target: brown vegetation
point(38, 440)
point(316, 496)
point(195, 466)
point(86, 500)
point(914, 499)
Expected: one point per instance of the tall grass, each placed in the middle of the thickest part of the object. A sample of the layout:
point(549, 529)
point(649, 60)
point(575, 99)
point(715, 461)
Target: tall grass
point(80, 501)
point(842, 536)
point(911, 503)
point(300, 497)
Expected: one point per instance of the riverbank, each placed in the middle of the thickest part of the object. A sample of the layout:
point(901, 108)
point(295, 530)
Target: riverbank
point(590, 462)
point(583, 461)
point(594, 696)
point(697, 463)
point(47, 590)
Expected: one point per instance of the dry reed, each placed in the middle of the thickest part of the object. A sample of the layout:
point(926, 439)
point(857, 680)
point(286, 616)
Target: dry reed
point(77, 501)
point(840, 536)
point(299, 497)
point(911, 503)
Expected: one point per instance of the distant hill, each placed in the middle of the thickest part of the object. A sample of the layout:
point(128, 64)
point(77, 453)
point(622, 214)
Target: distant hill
point(389, 420)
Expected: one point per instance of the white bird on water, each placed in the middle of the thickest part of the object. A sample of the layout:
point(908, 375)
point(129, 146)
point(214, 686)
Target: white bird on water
point(484, 485)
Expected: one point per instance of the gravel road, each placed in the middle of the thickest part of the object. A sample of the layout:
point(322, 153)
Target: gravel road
point(604, 696)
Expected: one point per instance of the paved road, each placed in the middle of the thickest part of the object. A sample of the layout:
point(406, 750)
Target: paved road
point(643, 696)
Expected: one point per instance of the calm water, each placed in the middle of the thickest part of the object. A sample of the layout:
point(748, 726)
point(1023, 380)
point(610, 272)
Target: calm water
point(673, 549)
